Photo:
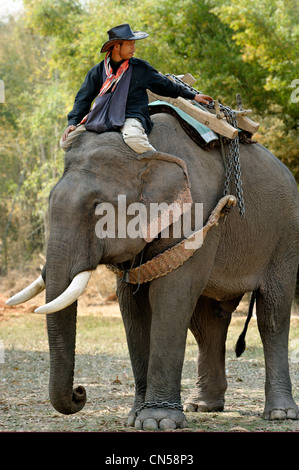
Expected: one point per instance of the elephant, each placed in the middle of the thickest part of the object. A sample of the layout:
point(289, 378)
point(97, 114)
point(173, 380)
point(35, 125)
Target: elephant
point(257, 253)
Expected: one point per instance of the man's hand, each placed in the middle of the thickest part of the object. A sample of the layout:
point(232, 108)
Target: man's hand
point(67, 131)
point(205, 99)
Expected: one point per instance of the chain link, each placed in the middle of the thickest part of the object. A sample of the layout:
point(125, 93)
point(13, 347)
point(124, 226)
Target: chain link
point(233, 165)
point(159, 404)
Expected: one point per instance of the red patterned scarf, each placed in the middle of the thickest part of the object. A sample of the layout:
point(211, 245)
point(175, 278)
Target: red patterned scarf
point(112, 80)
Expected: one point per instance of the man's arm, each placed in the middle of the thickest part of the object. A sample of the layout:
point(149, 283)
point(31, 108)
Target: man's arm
point(161, 85)
point(85, 96)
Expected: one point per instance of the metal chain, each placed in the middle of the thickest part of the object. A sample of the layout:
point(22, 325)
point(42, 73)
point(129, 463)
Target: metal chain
point(233, 161)
point(233, 164)
point(159, 404)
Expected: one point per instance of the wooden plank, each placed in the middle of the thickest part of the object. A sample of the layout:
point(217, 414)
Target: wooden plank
point(186, 78)
point(210, 120)
point(243, 122)
point(247, 124)
point(189, 79)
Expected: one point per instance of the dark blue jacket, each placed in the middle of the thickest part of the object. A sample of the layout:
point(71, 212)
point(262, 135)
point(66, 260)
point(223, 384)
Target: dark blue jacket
point(144, 77)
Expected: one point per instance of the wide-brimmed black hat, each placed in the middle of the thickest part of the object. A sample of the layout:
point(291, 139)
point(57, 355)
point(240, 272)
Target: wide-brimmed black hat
point(122, 32)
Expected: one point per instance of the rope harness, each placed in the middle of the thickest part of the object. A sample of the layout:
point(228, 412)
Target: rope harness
point(175, 256)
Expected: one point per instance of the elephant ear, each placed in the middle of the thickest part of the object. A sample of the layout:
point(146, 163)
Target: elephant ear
point(165, 191)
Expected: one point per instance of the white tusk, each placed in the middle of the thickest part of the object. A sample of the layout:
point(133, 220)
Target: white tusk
point(28, 293)
point(69, 296)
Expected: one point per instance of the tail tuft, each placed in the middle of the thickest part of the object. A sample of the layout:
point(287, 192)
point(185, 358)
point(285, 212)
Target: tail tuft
point(241, 343)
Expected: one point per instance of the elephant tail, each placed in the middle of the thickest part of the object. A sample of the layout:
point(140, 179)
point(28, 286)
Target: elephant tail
point(241, 343)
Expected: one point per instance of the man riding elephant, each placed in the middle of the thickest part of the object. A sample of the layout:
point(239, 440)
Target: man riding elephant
point(119, 84)
point(258, 253)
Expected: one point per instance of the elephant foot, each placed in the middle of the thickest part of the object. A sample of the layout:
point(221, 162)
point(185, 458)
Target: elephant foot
point(153, 419)
point(202, 407)
point(193, 404)
point(280, 411)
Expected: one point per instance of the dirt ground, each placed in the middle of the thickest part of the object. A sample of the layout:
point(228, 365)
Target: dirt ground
point(103, 368)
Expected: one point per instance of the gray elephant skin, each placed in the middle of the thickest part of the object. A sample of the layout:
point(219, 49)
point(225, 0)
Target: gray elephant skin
point(258, 253)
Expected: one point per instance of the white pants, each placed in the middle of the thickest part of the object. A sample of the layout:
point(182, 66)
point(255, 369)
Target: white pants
point(133, 134)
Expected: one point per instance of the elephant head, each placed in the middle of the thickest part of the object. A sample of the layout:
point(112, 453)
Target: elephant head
point(98, 168)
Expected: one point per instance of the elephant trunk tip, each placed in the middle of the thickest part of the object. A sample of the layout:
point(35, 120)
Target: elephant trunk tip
point(79, 396)
point(68, 407)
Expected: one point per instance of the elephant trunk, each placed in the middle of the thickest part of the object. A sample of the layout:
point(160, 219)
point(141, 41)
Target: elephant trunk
point(62, 339)
point(61, 328)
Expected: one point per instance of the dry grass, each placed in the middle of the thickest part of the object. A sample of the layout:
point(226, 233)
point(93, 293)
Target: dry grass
point(103, 367)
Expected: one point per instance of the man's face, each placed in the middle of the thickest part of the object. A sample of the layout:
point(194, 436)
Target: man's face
point(126, 49)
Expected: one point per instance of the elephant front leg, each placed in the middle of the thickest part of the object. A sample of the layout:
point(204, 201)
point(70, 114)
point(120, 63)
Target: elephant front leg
point(136, 314)
point(162, 407)
point(171, 314)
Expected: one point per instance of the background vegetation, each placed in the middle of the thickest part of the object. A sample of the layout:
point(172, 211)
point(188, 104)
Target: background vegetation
point(230, 46)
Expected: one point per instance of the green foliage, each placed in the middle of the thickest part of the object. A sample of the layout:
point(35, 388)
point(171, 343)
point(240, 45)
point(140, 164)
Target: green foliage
point(31, 121)
point(268, 36)
point(229, 46)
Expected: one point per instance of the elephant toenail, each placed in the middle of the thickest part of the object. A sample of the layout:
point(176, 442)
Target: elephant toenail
point(278, 414)
point(291, 414)
point(138, 425)
point(150, 424)
point(131, 420)
point(184, 424)
point(167, 423)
